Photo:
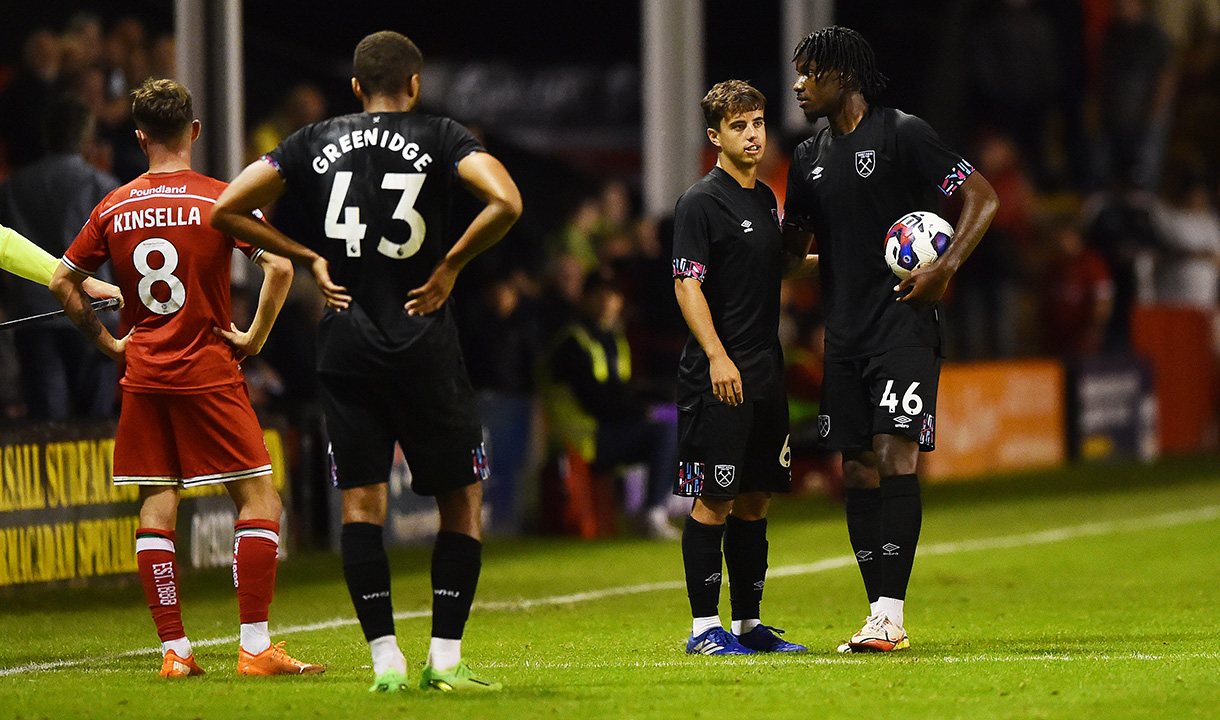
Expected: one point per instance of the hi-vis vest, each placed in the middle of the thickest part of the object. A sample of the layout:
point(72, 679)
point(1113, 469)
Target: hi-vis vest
point(570, 423)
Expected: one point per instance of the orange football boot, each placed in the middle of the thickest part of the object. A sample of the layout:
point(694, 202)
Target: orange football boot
point(274, 661)
point(174, 666)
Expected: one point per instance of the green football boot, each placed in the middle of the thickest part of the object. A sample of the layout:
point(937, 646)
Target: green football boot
point(459, 679)
point(390, 681)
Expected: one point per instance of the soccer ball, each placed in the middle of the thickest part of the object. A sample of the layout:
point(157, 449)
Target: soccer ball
point(916, 240)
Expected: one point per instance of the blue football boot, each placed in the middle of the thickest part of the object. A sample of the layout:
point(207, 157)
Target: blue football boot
point(766, 639)
point(716, 641)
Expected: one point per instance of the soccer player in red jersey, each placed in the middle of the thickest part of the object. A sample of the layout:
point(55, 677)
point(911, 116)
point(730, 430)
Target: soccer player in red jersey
point(186, 418)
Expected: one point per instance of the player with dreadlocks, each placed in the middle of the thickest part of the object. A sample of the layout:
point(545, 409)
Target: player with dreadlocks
point(846, 186)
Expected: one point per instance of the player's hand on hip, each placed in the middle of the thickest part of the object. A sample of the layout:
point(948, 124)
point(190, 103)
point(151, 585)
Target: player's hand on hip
point(925, 286)
point(336, 295)
point(726, 381)
point(117, 349)
point(243, 345)
point(429, 297)
point(102, 290)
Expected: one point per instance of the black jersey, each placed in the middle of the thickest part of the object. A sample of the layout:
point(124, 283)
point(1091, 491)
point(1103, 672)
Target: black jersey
point(848, 190)
point(377, 188)
point(728, 238)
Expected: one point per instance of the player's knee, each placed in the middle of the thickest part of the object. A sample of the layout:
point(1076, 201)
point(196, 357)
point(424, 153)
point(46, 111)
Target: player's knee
point(860, 476)
point(896, 455)
point(751, 506)
point(711, 512)
point(365, 504)
point(158, 507)
point(256, 499)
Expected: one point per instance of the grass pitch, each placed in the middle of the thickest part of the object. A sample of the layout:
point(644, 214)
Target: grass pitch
point(1083, 592)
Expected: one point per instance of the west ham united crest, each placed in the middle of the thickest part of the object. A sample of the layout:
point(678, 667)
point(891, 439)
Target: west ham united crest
point(724, 475)
point(824, 426)
point(866, 160)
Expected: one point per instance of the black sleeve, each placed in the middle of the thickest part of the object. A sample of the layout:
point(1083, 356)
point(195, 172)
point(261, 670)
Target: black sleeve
point(692, 237)
point(607, 402)
point(926, 157)
point(457, 142)
point(291, 157)
point(798, 205)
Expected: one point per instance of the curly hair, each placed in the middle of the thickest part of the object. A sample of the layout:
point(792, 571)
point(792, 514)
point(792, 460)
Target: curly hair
point(842, 50)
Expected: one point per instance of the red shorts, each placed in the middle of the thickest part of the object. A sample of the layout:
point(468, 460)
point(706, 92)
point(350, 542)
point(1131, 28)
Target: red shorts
point(189, 439)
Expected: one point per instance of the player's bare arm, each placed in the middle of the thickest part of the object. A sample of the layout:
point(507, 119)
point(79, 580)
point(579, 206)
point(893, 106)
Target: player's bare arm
point(490, 182)
point(277, 279)
point(798, 261)
point(66, 286)
point(726, 378)
point(257, 186)
point(927, 284)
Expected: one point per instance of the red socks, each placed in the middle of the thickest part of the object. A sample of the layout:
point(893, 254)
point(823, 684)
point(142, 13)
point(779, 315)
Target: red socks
point(159, 576)
point(255, 548)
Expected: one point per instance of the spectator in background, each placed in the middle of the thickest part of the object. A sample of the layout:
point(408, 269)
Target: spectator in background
point(501, 338)
point(1183, 21)
point(654, 323)
point(63, 374)
point(82, 43)
point(1077, 294)
point(1118, 224)
point(593, 409)
point(561, 294)
point(1137, 90)
point(25, 101)
point(577, 238)
point(987, 294)
point(124, 65)
point(1188, 230)
point(304, 104)
point(162, 56)
point(1016, 62)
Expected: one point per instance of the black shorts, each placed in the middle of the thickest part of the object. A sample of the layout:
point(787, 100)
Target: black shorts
point(893, 393)
point(428, 409)
point(724, 450)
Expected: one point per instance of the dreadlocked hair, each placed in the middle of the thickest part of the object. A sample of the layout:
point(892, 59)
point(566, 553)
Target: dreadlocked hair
point(845, 51)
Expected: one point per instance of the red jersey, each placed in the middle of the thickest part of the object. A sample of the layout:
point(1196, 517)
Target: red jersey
point(173, 269)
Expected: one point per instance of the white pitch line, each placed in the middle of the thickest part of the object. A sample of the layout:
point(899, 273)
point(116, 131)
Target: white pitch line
point(776, 660)
point(1094, 529)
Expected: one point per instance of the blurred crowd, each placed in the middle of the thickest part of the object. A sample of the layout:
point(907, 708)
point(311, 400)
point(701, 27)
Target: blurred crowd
point(1095, 121)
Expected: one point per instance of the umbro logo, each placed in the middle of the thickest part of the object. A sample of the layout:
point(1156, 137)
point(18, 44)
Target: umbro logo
point(864, 555)
point(759, 585)
point(373, 596)
point(902, 421)
point(815, 173)
point(746, 225)
point(711, 579)
point(889, 548)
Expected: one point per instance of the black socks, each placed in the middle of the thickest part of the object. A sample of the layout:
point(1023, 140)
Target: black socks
point(456, 561)
point(863, 507)
point(702, 558)
point(902, 515)
point(367, 571)
point(745, 557)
